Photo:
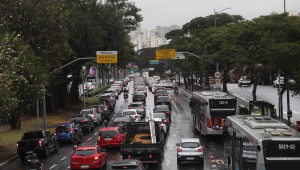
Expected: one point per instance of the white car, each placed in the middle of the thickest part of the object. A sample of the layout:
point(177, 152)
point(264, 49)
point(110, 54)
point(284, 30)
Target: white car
point(132, 113)
point(96, 116)
point(244, 80)
point(154, 87)
point(190, 149)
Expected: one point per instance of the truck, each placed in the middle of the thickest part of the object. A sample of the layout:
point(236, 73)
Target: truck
point(144, 141)
point(40, 142)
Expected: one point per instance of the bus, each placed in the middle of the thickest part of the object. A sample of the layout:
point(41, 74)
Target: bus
point(210, 109)
point(260, 143)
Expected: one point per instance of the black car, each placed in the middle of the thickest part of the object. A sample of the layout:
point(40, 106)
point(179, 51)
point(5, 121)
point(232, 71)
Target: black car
point(132, 164)
point(139, 96)
point(121, 120)
point(163, 100)
point(160, 93)
point(110, 99)
point(163, 108)
point(40, 142)
point(84, 120)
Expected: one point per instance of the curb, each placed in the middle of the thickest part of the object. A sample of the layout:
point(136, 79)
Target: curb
point(8, 161)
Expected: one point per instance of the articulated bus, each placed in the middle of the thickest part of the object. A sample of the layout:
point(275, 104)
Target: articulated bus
point(210, 109)
point(260, 143)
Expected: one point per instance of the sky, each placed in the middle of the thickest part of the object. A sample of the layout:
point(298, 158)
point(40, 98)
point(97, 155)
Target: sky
point(179, 12)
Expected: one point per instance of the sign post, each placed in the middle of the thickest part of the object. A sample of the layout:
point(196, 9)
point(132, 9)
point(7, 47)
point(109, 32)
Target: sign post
point(218, 76)
point(107, 57)
point(165, 54)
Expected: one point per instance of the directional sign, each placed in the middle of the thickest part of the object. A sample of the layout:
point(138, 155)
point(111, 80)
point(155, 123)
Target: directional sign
point(134, 70)
point(151, 69)
point(179, 56)
point(107, 57)
point(145, 69)
point(218, 74)
point(154, 61)
point(165, 54)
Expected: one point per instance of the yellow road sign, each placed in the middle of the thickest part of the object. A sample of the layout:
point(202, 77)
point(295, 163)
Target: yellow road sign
point(165, 54)
point(107, 57)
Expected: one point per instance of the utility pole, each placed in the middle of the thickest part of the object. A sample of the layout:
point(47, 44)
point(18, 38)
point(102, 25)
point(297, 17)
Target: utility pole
point(37, 114)
point(279, 101)
point(289, 112)
point(284, 6)
point(83, 70)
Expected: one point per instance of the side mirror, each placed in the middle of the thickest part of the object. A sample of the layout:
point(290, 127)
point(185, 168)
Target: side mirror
point(177, 144)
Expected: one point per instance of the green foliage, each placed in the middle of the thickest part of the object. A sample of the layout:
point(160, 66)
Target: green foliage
point(98, 90)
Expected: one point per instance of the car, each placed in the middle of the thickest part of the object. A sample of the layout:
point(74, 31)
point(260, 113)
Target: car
point(139, 107)
point(88, 157)
point(167, 84)
point(162, 126)
point(63, 132)
point(163, 100)
point(132, 113)
point(121, 121)
point(133, 164)
point(108, 97)
point(244, 80)
point(40, 142)
point(163, 108)
point(123, 81)
point(160, 93)
point(89, 86)
point(84, 120)
point(118, 88)
point(113, 91)
point(276, 82)
point(94, 114)
point(162, 116)
point(142, 88)
point(189, 149)
point(111, 137)
point(139, 96)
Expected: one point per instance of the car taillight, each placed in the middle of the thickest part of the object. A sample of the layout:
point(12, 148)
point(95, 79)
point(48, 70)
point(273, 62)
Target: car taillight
point(168, 113)
point(100, 110)
point(133, 96)
point(41, 144)
point(129, 157)
point(118, 137)
point(72, 131)
point(17, 146)
point(84, 120)
point(143, 96)
point(150, 156)
point(75, 142)
point(111, 99)
point(161, 127)
point(165, 121)
point(94, 115)
point(179, 150)
point(54, 132)
point(208, 122)
point(156, 95)
point(166, 94)
point(73, 160)
point(141, 107)
point(136, 116)
point(200, 150)
point(69, 121)
point(96, 158)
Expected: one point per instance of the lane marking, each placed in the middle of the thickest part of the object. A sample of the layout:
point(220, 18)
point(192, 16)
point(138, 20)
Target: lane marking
point(171, 146)
point(68, 167)
point(213, 165)
point(53, 166)
point(213, 161)
point(179, 114)
point(168, 161)
point(64, 158)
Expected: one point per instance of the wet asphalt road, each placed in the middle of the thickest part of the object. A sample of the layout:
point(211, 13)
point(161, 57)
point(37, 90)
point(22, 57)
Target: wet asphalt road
point(181, 127)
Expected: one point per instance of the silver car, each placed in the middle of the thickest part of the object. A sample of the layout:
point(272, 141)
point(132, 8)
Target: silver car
point(139, 107)
point(189, 149)
point(92, 112)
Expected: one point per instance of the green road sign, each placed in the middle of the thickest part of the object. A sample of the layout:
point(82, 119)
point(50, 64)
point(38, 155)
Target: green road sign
point(154, 61)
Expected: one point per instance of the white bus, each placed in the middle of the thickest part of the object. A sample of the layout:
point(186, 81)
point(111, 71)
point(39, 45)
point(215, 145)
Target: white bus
point(210, 109)
point(260, 143)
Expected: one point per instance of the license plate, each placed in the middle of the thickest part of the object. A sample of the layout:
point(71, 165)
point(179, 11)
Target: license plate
point(163, 103)
point(138, 99)
point(63, 133)
point(190, 158)
point(29, 152)
point(120, 124)
point(107, 138)
point(75, 146)
point(84, 166)
point(139, 152)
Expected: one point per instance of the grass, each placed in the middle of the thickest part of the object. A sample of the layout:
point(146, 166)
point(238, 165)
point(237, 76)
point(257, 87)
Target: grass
point(9, 138)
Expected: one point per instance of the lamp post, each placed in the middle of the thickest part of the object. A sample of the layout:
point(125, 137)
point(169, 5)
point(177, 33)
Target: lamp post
point(218, 12)
point(83, 70)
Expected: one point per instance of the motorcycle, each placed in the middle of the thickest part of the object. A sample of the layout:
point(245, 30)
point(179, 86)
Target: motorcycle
point(176, 91)
point(125, 95)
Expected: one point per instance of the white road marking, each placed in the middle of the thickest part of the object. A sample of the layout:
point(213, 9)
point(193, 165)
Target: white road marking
point(64, 158)
point(219, 161)
point(213, 165)
point(295, 111)
point(168, 161)
point(174, 135)
point(213, 161)
point(171, 146)
point(53, 166)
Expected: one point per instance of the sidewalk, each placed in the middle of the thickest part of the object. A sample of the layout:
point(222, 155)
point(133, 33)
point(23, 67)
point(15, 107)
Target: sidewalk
point(242, 102)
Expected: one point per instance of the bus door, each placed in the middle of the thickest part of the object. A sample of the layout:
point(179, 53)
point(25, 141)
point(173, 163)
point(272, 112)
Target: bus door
point(219, 110)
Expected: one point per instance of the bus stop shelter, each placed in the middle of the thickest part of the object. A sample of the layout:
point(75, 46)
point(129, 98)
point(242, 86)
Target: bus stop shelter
point(262, 108)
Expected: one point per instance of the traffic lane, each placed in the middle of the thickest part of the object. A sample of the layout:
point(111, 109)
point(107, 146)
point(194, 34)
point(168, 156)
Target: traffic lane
point(269, 94)
point(181, 127)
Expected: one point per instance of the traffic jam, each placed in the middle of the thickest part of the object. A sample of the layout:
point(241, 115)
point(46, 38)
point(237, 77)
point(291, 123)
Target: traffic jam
point(154, 125)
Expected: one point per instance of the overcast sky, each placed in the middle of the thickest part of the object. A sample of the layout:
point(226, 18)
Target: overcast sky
point(179, 12)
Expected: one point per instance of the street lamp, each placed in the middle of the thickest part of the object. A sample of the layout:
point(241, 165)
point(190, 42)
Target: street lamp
point(218, 12)
point(83, 70)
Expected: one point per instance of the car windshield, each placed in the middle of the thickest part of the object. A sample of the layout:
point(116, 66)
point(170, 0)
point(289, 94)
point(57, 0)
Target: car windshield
point(139, 93)
point(136, 105)
point(32, 135)
point(108, 133)
point(85, 152)
point(129, 113)
point(60, 129)
point(190, 145)
point(159, 115)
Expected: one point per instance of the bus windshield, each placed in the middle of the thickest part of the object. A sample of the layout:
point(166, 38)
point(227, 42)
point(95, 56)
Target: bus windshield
point(282, 150)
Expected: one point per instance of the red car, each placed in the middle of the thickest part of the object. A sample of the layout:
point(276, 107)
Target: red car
point(111, 137)
point(88, 157)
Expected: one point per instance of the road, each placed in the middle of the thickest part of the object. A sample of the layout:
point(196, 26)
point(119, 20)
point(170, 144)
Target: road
point(181, 127)
point(269, 94)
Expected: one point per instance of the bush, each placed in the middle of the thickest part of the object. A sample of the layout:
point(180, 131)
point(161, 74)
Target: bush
point(98, 90)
